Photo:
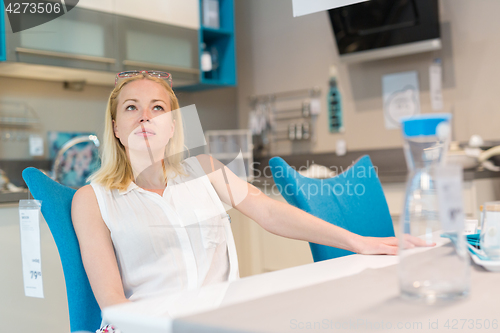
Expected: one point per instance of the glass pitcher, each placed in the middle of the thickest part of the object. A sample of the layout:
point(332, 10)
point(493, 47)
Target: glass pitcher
point(443, 272)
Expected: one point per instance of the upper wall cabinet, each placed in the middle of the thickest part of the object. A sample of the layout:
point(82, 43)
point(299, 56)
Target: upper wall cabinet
point(93, 45)
point(151, 45)
point(97, 39)
point(181, 13)
point(82, 39)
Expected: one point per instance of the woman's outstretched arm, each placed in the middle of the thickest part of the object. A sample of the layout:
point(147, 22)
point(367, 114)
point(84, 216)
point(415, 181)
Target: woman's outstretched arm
point(288, 221)
point(98, 255)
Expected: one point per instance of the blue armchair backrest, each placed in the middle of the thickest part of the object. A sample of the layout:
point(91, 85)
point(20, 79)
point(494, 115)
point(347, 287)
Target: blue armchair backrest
point(84, 312)
point(353, 200)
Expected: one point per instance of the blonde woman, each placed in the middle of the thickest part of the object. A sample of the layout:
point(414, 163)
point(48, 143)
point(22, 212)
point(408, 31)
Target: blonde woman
point(152, 222)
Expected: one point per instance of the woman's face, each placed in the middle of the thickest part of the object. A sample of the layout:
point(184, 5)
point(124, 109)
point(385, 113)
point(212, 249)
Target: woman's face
point(143, 118)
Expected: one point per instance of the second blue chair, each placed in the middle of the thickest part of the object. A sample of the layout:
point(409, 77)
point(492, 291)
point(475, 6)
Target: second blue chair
point(353, 200)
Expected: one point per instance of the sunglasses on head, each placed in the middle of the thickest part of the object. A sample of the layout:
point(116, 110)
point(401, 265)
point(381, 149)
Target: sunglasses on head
point(128, 74)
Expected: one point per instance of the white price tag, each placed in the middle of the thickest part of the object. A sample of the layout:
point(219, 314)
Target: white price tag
point(29, 221)
point(449, 192)
point(36, 145)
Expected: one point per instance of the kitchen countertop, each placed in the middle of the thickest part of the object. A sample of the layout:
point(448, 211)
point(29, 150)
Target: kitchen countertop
point(13, 170)
point(13, 197)
point(389, 163)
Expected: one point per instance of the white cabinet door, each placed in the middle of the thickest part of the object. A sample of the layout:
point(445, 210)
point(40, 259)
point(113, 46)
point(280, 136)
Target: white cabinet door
point(99, 5)
point(260, 251)
point(394, 195)
point(182, 13)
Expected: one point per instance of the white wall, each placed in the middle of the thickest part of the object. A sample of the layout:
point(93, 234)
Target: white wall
point(217, 108)
point(58, 110)
point(277, 52)
point(64, 110)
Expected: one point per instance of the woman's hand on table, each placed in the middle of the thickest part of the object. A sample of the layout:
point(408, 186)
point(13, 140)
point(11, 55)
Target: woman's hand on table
point(288, 221)
point(389, 245)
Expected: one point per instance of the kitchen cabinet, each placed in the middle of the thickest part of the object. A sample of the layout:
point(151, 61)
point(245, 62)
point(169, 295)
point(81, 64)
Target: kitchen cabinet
point(97, 39)
point(260, 251)
point(107, 6)
point(19, 313)
point(151, 45)
point(83, 39)
point(93, 45)
point(183, 13)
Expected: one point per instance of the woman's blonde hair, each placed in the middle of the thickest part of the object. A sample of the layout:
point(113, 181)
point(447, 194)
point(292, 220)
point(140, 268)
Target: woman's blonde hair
point(115, 171)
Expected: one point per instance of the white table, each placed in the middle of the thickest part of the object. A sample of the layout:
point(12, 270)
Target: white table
point(357, 293)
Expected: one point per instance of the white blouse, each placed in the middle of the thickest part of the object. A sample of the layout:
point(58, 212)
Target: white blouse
point(179, 241)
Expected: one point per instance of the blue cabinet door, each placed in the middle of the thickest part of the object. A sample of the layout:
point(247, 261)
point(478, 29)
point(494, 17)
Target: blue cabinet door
point(3, 52)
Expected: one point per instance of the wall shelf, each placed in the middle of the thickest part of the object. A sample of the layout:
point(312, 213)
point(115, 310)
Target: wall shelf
point(16, 115)
point(223, 41)
point(215, 33)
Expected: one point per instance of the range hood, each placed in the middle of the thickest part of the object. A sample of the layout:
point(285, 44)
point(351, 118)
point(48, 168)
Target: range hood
point(379, 29)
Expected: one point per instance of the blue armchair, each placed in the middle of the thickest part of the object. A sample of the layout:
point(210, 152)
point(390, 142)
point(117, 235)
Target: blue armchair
point(84, 312)
point(353, 200)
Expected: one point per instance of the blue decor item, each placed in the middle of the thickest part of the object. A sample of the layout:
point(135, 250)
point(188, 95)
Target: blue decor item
point(353, 200)
point(3, 47)
point(335, 118)
point(84, 312)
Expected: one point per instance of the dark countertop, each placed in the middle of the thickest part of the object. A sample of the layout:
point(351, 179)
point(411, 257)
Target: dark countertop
point(13, 196)
point(389, 163)
point(13, 170)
